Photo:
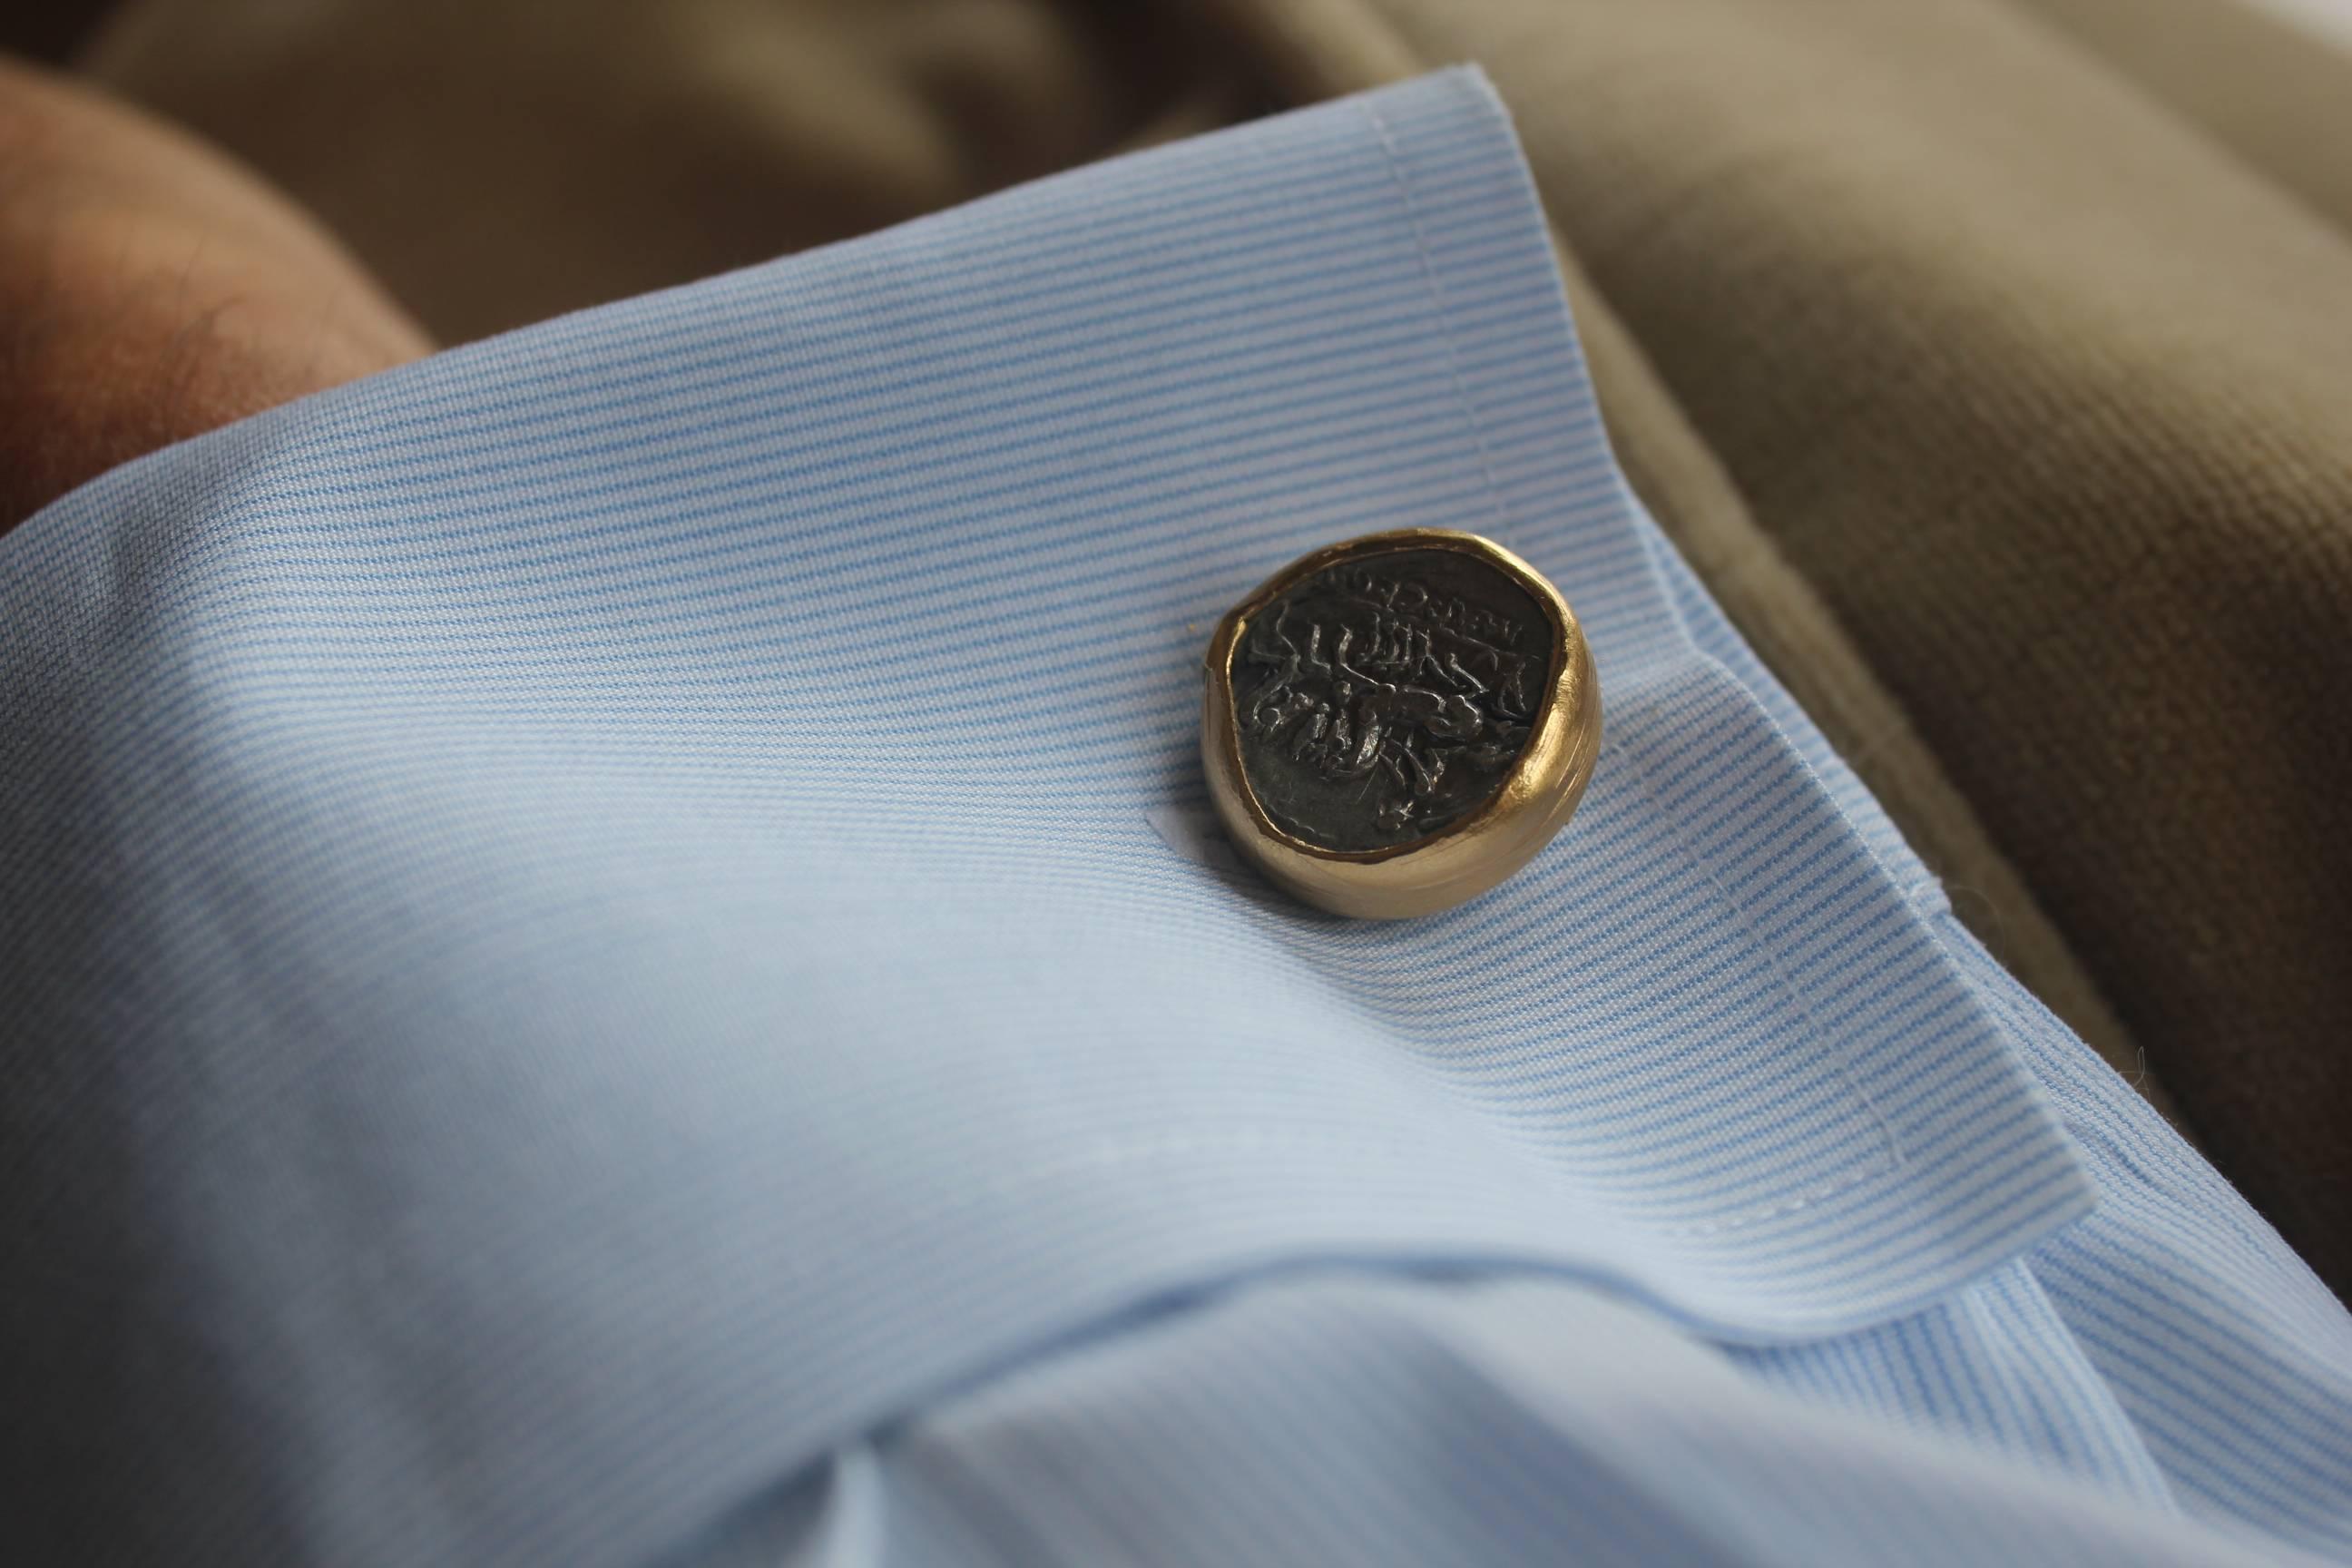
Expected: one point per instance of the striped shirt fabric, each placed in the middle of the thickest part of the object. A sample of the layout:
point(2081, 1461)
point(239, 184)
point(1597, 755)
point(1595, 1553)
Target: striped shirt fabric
point(612, 952)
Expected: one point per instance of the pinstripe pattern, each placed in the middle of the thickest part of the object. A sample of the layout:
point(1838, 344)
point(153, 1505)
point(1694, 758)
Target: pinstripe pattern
point(599, 897)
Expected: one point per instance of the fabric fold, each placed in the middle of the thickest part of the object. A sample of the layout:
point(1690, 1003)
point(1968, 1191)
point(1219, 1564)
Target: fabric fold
point(601, 893)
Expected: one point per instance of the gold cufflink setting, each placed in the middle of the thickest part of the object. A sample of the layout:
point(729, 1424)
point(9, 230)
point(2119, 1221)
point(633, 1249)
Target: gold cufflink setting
point(1394, 724)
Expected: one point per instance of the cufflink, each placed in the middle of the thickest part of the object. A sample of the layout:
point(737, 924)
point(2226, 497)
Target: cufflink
point(1395, 724)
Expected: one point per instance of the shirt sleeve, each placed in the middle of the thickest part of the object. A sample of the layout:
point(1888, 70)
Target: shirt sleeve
point(613, 958)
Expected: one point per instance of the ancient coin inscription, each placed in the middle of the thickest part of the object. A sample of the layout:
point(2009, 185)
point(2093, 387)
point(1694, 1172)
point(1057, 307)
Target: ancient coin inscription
point(1386, 696)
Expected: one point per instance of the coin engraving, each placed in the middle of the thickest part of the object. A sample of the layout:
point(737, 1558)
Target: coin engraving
point(1386, 696)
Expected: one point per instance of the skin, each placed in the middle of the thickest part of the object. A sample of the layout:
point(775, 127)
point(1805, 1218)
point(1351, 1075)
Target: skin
point(152, 290)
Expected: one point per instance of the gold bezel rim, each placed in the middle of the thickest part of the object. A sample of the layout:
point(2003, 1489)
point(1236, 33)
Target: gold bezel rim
point(1466, 856)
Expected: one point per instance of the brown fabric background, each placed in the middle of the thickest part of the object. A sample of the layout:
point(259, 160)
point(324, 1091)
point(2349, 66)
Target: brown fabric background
point(498, 162)
point(1993, 364)
point(2256, 84)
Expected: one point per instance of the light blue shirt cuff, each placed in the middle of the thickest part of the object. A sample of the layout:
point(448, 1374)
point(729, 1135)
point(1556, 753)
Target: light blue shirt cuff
point(622, 905)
